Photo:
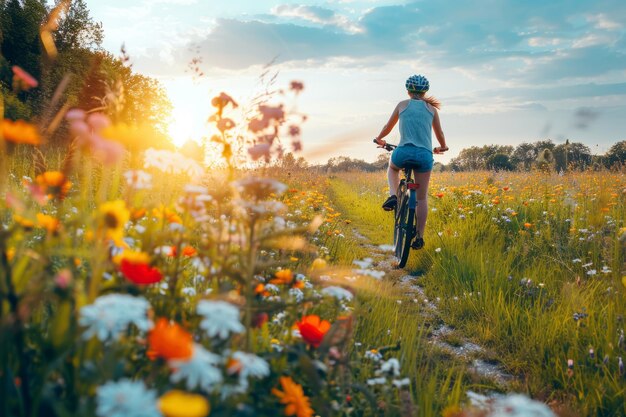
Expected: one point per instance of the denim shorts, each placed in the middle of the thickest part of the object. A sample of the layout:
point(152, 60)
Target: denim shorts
point(409, 156)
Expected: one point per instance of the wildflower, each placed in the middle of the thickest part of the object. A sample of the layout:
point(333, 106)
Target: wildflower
point(167, 214)
point(519, 405)
point(438, 250)
point(248, 365)
point(20, 131)
point(399, 383)
point(138, 179)
point(338, 292)
point(177, 403)
point(296, 86)
point(528, 225)
point(225, 124)
point(126, 398)
point(63, 278)
point(222, 101)
point(219, 318)
point(23, 79)
point(292, 396)
point(110, 315)
point(313, 329)
point(283, 276)
point(113, 217)
point(136, 268)
point(48, 222)
point(377, 381)
point(259, 188)
point(297, 294)
point(87, 130)
point(390, 367)
point(373, 354)
point(54, 184)
point(170, 341)
point(24, 222)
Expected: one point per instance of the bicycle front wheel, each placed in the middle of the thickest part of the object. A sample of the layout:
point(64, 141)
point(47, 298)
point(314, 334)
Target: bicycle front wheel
point(404, 231)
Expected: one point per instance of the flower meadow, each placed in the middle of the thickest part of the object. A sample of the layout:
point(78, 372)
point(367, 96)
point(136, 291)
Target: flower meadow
point(138, 283)
point(530, 266)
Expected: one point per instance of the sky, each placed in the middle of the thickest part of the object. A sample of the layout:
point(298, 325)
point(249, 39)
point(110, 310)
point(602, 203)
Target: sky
point(506, 71)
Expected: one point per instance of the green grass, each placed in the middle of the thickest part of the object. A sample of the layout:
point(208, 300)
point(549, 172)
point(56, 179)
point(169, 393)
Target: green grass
point(515, 288)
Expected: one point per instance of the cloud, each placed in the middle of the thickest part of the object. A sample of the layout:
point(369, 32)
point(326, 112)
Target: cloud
point(316, 15)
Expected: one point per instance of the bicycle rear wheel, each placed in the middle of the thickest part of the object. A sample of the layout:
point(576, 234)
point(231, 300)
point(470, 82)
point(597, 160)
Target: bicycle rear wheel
point(404, 231)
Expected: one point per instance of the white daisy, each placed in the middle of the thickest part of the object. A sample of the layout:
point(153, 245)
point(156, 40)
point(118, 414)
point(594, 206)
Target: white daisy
point(126, 398)
point(219, 318)
point(110, 315)
point(198, 371)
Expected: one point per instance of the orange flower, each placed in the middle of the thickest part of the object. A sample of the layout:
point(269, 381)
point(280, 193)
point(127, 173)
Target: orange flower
point(54, 184)
point(313, 329)
point(284, 276)
point(48, 222)
point(528, 225)
point(20, 131)
point(292, 396)
point(170, 341)
point(439, 195)
point(24, 222)
point(167, 214)
point(189, 251)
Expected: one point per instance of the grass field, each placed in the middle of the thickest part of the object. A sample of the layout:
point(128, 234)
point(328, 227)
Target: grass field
point(529, 265)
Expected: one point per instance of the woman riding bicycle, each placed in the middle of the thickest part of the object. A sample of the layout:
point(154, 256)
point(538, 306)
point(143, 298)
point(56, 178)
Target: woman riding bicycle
point(418, 117)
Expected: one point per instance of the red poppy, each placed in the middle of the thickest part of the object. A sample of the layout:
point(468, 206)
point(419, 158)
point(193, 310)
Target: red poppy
point(313, 329)
point(140, 273)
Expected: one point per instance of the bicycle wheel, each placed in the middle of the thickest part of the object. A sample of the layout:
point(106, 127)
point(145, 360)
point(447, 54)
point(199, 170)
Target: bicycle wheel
point(402, 202)
point(404, 227)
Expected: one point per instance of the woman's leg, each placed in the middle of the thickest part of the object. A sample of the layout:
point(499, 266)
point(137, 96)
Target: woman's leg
point(393, 177)
point(422, 178)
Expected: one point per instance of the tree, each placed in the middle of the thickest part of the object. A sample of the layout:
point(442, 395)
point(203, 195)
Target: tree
point(616, 156)
point(499, 162)
point(77, 30)
point(545, 160)
point(569, 156)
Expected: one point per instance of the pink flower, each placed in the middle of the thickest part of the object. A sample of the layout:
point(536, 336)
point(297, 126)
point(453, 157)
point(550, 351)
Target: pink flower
point(296, 86)
point(87, 129)
point(296, 145)
point(63, 278)
point(269, 112)
point(294, 130)
point(258, 125)
point(260, 150)
point(25, 78)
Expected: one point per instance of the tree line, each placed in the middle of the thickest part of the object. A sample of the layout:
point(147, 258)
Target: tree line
point(95, 80)
point(542, 155)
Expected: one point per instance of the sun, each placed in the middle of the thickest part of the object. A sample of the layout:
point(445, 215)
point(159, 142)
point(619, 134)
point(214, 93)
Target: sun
point(183, 128)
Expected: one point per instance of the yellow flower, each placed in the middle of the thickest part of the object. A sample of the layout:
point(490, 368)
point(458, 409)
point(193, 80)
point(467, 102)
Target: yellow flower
point(292, 396)
point(132, 256)
point(11, 254)
point(177, 403)
point(19, 132)
point(318, 263)
point(24, 222)
point(114, 216)
point(47, 222)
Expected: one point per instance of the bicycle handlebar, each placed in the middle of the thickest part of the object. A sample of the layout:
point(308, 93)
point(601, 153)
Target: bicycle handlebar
point(390, 147)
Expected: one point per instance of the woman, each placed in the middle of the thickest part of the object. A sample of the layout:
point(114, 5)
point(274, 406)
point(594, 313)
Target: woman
point(418, 117)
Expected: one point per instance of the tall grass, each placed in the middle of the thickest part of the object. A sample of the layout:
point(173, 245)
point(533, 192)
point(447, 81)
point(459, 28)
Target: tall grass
point(529, 265)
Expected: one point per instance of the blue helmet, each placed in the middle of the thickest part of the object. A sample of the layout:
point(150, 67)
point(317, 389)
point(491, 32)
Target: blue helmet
point(417, 84)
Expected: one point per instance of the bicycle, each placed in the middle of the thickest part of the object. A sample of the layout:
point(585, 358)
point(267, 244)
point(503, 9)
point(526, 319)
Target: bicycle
point(405, 220)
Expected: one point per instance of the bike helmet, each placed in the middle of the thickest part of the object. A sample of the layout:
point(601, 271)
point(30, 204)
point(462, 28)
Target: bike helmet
point(417, 84)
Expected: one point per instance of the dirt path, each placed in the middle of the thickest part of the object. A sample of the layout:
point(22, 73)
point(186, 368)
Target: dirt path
point(477, 359)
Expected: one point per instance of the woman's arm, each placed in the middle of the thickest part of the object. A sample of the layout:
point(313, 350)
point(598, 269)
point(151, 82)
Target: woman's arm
point(439, 134)
point(388, 127)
